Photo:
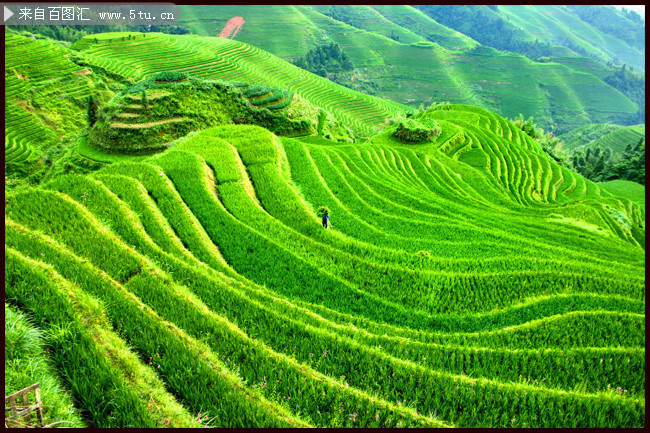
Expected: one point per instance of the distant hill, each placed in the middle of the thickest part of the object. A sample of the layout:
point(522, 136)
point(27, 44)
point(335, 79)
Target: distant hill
point(603, 136)
point(564, 92)
point(599, 31)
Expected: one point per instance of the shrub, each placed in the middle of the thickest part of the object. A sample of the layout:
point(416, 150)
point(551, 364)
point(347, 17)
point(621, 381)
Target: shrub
point(414, 131)
point(137, 88)
point(257, 91)
point(170, 76)
point(286, 101)
point(92, 110)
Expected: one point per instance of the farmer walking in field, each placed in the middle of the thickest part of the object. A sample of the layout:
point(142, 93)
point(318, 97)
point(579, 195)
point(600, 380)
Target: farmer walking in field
point(326, 220)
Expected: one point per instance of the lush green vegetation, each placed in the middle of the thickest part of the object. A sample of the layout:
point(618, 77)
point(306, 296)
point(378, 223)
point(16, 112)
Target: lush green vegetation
point(632, 85)
point(46, 103)
point(230, 60)
point(600, 165)
point(562, 91)
point(625, 188)
point(571, 28)
point(325, 59)
point(629, 28)
point(606, 152)
point(183, 278)
point(413, 131)
point(26, 363)
point(310, 327)
point(178, 104)
point(482, 24)
point(596, 155)
point(169, 77)
point(540, 32)
point(549, 142)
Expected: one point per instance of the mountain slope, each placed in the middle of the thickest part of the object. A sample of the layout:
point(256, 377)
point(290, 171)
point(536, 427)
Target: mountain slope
point(42, 87)
point(560, 96)
point(574, 27)
point(604, 136)
point(440, 267)
point(230, 60)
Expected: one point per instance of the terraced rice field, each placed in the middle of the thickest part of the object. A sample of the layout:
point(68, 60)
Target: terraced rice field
point(229, 60)
point(562, 95)
point(38, 69)
point(603, 136)
point(466, 283)
point(618, 140)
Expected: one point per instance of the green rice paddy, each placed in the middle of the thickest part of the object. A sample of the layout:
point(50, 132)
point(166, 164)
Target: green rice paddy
point(467, 282)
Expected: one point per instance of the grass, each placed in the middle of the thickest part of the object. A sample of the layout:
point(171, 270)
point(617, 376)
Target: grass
point(143, 237)
point(27, 362)
point(625, 188)
point(468, 281)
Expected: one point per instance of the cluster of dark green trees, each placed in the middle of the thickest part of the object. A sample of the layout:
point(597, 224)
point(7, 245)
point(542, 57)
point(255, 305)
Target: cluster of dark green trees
point(329, 61)
point(345, 14)
point(633, 32)
point(325, 59)
point(632, 85)
point(595, 164)
point(601, 165)
point(72, 33)
point(632, 16)
point(492, 32)
point(548, 141)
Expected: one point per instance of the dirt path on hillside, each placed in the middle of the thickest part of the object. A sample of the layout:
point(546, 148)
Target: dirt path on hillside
point(145, 125)
point(232, 27)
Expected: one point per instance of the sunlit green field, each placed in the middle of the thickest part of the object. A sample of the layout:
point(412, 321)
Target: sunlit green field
point(439, 284)
point(469, 281)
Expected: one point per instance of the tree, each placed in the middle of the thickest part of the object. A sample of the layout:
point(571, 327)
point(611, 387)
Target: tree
point(92, 111)
point(144, 101)
point(325, 59)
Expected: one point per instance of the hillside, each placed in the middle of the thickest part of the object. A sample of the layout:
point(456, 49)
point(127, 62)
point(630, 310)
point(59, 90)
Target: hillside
point(624, 188)
point(150, 115)
point(597, 32)
point(48, 106)
point(230, 60)
point(603, 136)
point(346, 318)
point(45, 97)
point(289, 31)
point(174, 256)
point(564, 92)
